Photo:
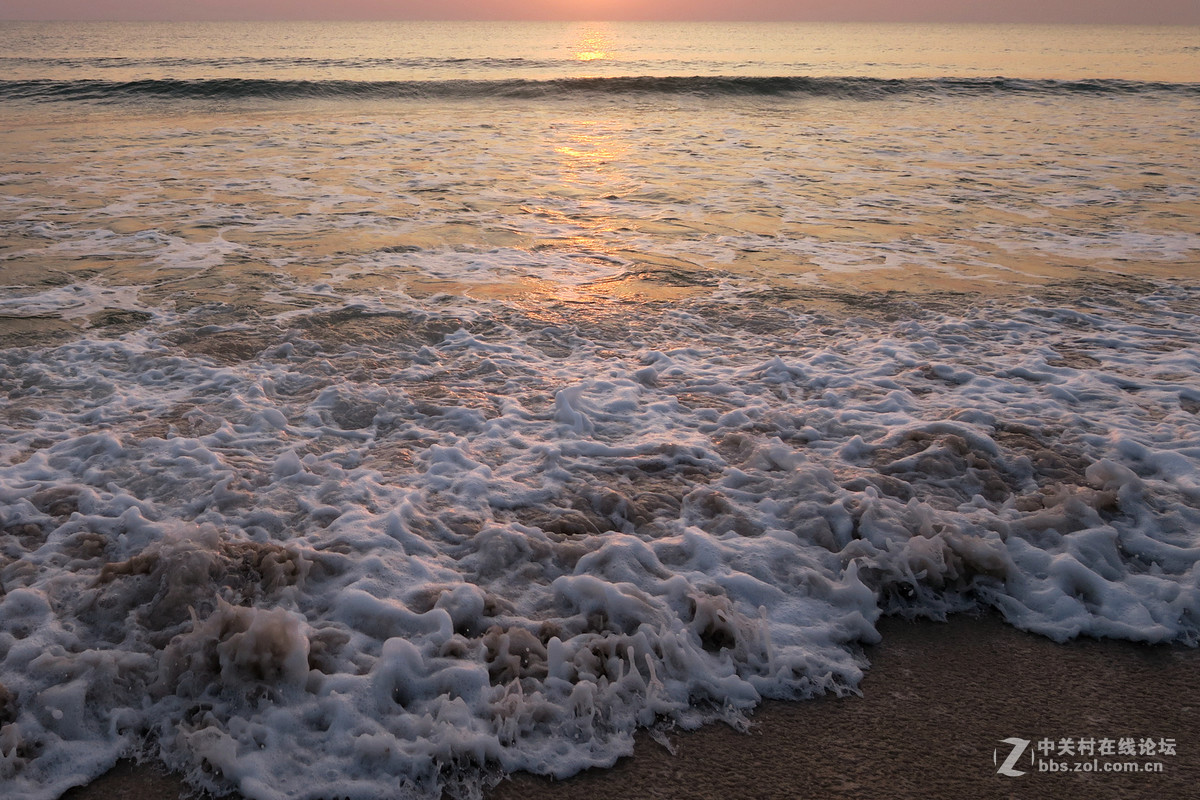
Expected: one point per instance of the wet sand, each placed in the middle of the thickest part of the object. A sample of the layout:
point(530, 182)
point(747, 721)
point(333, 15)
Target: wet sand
point(936, 703)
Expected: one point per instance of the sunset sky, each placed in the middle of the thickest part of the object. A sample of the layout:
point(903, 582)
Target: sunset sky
point(1100, 11)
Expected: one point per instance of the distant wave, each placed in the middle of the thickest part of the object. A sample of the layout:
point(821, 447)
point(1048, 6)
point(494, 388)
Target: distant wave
point(175, 62)
point(717, 86)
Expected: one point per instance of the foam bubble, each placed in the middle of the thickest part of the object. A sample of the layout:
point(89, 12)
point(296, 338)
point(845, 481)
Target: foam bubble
point(503, 546)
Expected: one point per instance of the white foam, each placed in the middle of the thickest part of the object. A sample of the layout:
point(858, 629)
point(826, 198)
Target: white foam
point(517, 567)
point(76, 301)
point(372, 546)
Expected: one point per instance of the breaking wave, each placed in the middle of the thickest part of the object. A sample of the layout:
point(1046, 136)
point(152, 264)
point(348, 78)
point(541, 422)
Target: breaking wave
point(855, 88)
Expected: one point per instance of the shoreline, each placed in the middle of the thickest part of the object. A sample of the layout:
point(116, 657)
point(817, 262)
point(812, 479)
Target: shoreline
point(936, 704)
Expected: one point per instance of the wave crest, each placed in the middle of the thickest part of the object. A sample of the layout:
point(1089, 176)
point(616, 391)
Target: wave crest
point(856, 88)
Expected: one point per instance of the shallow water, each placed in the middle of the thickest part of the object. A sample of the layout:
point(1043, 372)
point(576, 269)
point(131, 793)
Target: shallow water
point(374, 428)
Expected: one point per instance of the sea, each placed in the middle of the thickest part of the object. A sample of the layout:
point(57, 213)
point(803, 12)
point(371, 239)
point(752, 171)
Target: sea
point(386, 408)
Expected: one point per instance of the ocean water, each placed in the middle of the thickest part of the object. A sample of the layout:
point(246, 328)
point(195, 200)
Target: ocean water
point(390, 407)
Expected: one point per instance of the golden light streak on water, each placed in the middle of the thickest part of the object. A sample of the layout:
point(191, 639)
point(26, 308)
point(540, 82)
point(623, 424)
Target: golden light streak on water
point(594, 45)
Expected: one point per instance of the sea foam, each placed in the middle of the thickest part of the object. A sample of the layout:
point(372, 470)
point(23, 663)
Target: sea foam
point(491, 537)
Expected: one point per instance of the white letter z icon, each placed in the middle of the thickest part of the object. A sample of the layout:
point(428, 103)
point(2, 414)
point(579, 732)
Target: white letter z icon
point(1018, 748)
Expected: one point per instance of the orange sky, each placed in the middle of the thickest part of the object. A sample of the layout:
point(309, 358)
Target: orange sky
point(1102, 11)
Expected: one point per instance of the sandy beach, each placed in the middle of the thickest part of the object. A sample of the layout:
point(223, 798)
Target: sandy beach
point(936, 705)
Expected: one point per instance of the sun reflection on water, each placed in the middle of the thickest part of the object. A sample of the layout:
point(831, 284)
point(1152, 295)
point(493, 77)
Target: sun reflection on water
point(593, 45)
point(592, 171)
point(584, 152)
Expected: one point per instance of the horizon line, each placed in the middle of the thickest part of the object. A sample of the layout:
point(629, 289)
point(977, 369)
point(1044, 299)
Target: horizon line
point(600, 20)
